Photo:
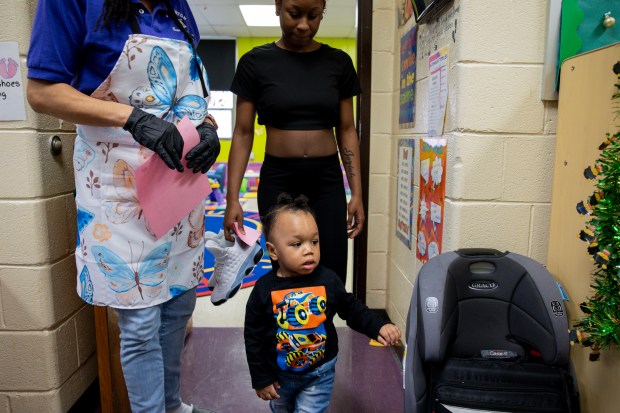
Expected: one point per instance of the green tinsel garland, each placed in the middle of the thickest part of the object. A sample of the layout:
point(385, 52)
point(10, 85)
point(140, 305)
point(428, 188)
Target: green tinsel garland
point(600, 327)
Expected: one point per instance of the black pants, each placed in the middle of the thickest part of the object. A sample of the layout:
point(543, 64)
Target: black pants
point(320, 179)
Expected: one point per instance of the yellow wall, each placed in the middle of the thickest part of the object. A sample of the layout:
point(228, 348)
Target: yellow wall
point(244, 45)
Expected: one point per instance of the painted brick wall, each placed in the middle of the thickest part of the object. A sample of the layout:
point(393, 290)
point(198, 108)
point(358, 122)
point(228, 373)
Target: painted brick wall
point(500, 134)
point(47, 345)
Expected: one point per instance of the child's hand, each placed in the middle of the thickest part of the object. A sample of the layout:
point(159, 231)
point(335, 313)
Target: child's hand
point(269, 392)
point(389, 335)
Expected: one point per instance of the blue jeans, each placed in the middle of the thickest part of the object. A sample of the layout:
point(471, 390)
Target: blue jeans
point(306, 393)
point(152, 341)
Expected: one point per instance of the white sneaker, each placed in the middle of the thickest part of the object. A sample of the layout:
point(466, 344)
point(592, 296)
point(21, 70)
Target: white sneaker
point(219, 240)
point(233, 261)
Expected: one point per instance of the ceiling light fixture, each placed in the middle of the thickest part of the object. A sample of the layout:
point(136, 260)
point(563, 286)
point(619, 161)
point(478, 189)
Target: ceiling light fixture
point(259, 15)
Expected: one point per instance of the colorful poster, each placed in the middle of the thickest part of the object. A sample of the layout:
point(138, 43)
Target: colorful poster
point(407, 8)
point(406, 117)
point(437, 92)
point(11, 85)
point(405, 11)
point(432, 196)
point(404, 204)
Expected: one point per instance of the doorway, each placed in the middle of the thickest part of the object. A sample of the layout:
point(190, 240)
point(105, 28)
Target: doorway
point(113, 393)
point(228, 315)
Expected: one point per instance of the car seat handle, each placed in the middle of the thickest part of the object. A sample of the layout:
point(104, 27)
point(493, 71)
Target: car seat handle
point(480, 252)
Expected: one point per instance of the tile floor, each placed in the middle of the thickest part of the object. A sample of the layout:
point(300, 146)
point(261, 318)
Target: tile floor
point(215, 374)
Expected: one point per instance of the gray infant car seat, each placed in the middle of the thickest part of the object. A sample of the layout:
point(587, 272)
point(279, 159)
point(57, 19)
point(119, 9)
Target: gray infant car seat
point(487, 332)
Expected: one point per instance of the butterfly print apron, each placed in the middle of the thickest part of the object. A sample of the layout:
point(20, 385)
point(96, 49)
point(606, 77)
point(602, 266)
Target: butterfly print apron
point(120, 262)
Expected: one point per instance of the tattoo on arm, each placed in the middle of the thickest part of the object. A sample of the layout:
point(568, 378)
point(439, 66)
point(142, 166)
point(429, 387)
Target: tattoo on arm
point(347, 160)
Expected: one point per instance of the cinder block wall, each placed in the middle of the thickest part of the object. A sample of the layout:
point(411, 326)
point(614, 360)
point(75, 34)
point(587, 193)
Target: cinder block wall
point(384, 53)
point(501, 137)
point(47, 343)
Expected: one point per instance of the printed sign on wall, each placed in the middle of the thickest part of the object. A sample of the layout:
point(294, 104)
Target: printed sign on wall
point(437, 92)
point(11, 85)
point(404, 204)
point(432, 197)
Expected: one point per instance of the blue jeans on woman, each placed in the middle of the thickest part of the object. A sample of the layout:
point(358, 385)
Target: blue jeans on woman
point(305, 393)
point(152, 342)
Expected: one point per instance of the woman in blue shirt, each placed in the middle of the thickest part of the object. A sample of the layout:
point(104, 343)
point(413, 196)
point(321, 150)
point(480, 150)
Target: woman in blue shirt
point(125, 72)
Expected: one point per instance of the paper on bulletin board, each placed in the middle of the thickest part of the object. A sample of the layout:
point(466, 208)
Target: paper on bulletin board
point(406, 116)
point(432, 197)
point(11, 85)
point(404, 204)
point(437, 92)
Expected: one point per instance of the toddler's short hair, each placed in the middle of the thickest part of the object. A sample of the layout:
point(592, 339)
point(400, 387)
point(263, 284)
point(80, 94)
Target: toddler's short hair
point(285, 202)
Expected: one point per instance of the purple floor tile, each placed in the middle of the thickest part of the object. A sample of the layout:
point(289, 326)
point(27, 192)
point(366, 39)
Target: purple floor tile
point(215, 374)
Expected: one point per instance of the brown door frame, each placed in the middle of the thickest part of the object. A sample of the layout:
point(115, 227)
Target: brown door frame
point(364, 67)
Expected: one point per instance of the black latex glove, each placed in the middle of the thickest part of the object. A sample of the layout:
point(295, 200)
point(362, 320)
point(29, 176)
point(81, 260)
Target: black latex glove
point(158, 135)
point(203, 155)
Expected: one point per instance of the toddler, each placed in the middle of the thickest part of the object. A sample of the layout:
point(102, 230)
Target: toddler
point(290, 338)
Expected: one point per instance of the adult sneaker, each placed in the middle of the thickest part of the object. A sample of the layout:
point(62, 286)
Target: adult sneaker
point(219, 240)
point(233, 261)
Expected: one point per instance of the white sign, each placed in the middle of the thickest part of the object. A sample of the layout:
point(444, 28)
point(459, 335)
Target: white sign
point(11, 85)
point(438, 92)
point(223, 117)
point(220, 99)
point(404, 218)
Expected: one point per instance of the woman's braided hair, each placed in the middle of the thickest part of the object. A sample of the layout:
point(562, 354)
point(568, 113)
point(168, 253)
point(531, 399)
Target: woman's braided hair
point(114, 11)
point(285, 202)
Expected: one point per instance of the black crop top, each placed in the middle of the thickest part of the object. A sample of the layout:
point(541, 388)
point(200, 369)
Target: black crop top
point(296, 91)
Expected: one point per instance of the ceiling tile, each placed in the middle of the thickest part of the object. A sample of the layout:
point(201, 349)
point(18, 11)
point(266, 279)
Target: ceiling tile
point(224, 15)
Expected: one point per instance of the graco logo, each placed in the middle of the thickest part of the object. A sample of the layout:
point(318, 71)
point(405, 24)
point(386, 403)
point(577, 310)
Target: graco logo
point(483, 285)
point(557, 309)
point(432, 305)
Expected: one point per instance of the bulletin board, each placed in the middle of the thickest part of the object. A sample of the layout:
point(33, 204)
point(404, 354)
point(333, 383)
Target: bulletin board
point(585, 115)
point(582, 26)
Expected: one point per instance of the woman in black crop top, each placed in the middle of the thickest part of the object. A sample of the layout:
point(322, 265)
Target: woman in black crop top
point(303, 92)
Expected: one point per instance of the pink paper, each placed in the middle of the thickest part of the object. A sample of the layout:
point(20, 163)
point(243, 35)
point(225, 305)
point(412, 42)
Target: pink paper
point(167, 195)
point(251, 234)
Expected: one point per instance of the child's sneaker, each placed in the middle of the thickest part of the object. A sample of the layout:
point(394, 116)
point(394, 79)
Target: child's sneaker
point(219, 240)
point(233, 261)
